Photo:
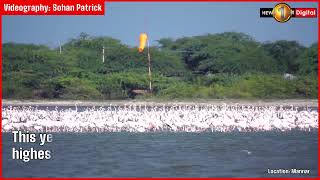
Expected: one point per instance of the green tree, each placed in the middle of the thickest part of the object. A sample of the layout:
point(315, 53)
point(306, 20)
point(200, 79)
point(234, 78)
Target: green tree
point(285, 53)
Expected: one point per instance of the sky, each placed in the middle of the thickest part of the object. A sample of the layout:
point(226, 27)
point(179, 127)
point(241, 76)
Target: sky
point(125, 21)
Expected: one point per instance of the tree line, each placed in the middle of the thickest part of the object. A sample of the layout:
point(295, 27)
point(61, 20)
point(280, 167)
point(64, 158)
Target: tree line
point(223, 65)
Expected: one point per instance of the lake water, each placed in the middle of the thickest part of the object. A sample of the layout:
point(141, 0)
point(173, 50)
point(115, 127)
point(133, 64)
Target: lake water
point(168, 155)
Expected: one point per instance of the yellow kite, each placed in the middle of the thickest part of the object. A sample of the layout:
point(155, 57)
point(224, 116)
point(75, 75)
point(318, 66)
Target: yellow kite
point(143, 41)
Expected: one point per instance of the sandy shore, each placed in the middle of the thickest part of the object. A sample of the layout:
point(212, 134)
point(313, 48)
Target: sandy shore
point(286, 102)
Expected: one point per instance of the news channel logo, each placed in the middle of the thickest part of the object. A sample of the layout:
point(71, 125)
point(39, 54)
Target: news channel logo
point(282, 12)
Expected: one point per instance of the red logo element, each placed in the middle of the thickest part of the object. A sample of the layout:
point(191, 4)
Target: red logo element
point(53, 7)
point(305, 12)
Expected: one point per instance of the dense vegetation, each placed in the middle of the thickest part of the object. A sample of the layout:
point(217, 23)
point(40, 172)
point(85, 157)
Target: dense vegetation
point(226, 65)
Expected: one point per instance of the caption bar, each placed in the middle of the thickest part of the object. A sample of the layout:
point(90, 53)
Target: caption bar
point(53, 8)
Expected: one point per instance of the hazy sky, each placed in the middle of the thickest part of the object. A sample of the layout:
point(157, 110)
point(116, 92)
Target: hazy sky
point(125, 21)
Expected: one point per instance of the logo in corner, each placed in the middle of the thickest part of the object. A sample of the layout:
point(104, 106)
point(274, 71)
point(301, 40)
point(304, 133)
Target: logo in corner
point(282, 12)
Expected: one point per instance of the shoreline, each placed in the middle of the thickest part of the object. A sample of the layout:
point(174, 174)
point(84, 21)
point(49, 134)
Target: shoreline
point(232, 102)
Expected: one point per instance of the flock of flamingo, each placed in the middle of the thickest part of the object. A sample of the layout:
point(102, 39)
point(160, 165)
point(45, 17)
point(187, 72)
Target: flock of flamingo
point(175, 118)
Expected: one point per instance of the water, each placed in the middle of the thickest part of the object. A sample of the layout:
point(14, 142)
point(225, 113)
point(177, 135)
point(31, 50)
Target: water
point(168, 155)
